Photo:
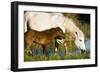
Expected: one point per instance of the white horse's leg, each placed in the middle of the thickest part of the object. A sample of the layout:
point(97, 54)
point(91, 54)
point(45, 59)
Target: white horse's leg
point(56, 50)
point(66, 49)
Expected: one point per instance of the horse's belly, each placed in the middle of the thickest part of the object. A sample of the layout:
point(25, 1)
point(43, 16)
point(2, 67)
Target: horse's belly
point(43, 21)
point(41, 24)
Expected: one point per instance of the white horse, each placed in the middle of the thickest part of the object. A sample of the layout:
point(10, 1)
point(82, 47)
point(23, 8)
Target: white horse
point(41, 21)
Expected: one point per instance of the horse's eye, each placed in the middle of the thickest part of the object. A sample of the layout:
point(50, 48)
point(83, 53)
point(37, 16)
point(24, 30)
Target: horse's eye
point(80, 40)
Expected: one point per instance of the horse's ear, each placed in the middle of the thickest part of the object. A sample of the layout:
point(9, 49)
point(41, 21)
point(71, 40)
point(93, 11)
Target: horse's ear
point(74, 36)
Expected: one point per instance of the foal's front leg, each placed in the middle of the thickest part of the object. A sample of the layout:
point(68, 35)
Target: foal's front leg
point(56, 47)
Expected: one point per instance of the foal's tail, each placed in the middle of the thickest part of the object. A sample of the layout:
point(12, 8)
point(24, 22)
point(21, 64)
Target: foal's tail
point(28, 27)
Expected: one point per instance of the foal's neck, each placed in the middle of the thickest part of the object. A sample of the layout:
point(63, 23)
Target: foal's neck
point(54, 34)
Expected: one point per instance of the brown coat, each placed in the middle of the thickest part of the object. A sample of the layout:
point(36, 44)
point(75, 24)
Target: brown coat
point(42, 37)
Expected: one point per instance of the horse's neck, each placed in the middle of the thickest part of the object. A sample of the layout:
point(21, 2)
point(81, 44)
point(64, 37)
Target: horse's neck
point(70, 27)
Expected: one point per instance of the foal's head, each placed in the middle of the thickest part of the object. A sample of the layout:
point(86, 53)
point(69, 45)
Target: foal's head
point(57, 33)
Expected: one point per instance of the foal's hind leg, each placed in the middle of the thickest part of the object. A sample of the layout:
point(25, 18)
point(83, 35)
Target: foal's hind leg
point(45, 50)
point(28, 47)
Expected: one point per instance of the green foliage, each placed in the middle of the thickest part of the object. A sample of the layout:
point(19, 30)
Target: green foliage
point(43, 58)
point(28, 58)
point(54, 57)
point(57, 56)
point(77, 56)
point(70, 42)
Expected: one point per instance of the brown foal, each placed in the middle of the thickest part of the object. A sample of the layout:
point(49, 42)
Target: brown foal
point(42, 37)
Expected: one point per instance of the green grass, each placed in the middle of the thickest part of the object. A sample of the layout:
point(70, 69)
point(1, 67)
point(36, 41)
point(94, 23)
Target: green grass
point(78, 56)
point(56, 57)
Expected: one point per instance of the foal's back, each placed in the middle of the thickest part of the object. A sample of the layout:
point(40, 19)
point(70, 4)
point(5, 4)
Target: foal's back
point(43, 37)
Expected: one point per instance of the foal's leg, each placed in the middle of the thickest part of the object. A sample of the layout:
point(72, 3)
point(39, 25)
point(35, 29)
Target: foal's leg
point(28, 45)
point(44, 50)
point(56, 47)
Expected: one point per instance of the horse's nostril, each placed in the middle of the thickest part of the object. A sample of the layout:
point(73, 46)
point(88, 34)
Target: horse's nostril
point(83, 51)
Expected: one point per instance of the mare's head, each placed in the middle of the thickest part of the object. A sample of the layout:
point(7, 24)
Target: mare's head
point(79, 40)
point(70, 26)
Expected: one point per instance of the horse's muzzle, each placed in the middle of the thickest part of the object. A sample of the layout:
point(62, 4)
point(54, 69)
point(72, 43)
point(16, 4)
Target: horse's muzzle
point(83, 51)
